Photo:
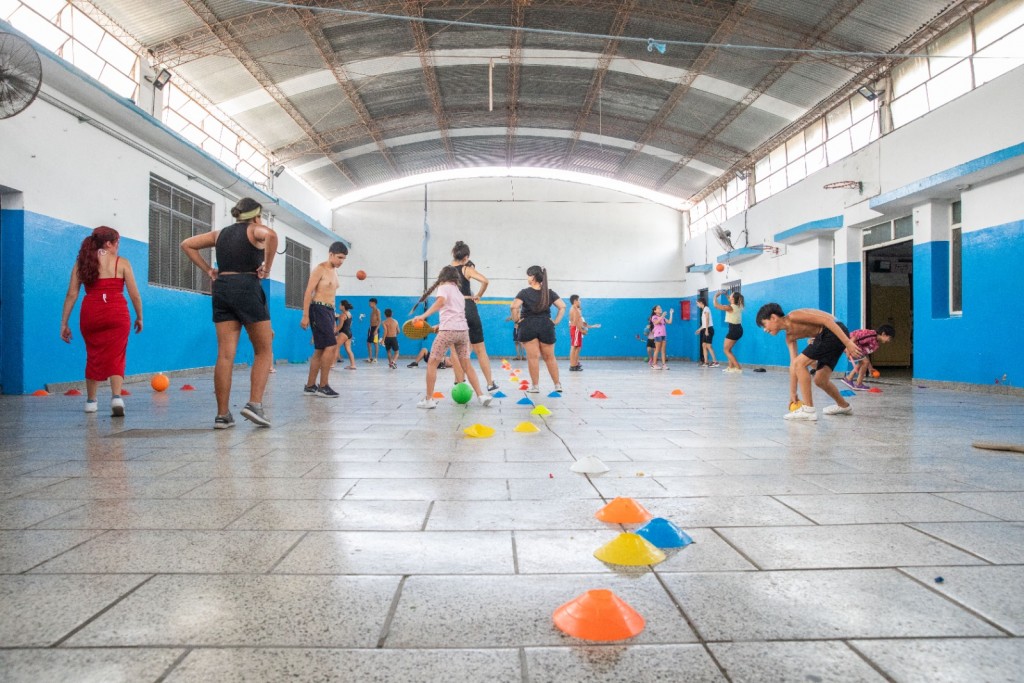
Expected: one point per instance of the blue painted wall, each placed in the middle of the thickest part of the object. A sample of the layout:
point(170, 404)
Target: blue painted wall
point(983, 343)
point(12, 305)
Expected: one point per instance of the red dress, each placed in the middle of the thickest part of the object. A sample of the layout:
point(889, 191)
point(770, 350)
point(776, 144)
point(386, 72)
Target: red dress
point(105, 324)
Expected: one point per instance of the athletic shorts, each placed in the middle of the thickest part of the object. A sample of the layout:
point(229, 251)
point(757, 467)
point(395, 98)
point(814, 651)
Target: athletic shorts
point(650, 343)
point(371, 336)
point(476, 328)
point(391, 344)
point(735, 331)
point(239, 298)
point(659, 338)
point(707, 335)
point(575, 337)
point(457, 340)
point(541, 329)
point(826, 348)
point(321, 321)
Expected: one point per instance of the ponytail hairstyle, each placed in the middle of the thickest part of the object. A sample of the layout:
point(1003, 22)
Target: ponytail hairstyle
point(540, 276)
point(246, 210)
point(737, 299)
point(447, 274)
point(460, 250)
point(345, 304)
point(88, 254)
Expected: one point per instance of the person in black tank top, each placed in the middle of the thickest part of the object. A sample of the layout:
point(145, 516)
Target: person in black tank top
point(467, 271)
point(245, 253)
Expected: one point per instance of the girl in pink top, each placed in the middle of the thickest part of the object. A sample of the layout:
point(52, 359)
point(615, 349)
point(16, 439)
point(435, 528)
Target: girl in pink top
point(453, 332)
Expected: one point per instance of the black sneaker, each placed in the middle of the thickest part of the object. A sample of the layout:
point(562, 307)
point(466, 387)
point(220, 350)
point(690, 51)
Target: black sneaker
point(414, 364)
point(254, 413)
point(493, 386)
point(310, 390)
point(326, 392)
point(224, 421)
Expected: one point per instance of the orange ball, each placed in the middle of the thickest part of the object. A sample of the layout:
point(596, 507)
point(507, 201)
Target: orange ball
point(720, 267)
point(876, 373)
point(160, 382)
point(360, 274)
point(418, 323)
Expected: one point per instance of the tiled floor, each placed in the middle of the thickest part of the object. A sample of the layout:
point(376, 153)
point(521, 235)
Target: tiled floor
point(362, 539)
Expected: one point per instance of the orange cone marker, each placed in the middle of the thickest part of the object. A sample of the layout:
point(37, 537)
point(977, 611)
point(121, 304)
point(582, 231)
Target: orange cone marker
point(598, 394)
point(598, 615)
point(40, 392)
point(677, 392)
point(623, 511)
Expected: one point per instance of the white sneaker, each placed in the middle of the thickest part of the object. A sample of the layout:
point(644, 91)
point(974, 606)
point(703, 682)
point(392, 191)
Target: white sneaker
point(558, 388)
point(117, 406)
point(485, 400)
point(92, 406)
point(838, 410)
point(427, 403)
point(802, 413)
point(533, 390)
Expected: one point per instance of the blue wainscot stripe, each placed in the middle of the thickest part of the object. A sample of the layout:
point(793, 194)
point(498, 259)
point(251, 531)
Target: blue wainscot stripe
point(737, 255)
point(701, 268)
point(810, 230)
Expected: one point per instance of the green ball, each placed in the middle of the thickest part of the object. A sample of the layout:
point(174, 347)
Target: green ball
point(462, 392)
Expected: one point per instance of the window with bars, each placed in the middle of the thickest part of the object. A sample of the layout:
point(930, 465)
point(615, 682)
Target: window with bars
point(175, 215)
point(956, 292)
point(296, 273)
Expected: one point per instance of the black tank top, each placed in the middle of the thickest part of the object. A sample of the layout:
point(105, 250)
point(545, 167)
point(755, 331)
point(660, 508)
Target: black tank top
point(235, 253)
point(464, 281)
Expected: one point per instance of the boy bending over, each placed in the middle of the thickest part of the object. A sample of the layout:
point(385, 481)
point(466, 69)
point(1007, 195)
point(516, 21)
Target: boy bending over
point(828, 342)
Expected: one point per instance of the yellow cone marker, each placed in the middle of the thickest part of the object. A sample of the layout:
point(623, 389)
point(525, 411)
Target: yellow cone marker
point(527, 428)
point(479, 431)
point(540, 410)
point(631, 550)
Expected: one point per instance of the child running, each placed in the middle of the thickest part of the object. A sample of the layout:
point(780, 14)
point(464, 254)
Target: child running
point(828, 341)
point(452, 332)
point(868, 342)
point(391, 339)
point(733, 318)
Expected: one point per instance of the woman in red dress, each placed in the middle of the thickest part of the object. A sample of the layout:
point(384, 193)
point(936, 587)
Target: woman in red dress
point(104, 319)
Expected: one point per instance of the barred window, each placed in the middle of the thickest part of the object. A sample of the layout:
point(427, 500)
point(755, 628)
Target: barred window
point(296, 273)
point(175, 215)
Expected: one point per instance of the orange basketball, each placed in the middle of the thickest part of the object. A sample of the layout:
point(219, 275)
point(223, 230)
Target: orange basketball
point(360, 274)
point(160, 382)
point(876, 373)
point(720, 267)
point(418, 323)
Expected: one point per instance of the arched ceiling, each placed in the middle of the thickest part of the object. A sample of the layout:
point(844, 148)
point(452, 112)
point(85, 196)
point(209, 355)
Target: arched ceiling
point(351, 94)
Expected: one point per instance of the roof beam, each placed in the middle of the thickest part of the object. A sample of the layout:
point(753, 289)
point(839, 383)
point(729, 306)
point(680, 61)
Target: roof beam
point(515, 67)
point(238, 49)
point(414, 8)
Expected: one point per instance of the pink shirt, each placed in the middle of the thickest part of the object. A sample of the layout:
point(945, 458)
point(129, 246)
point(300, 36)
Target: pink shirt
point(453, 312)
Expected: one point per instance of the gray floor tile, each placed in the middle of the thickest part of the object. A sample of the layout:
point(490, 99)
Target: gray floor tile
point(781, 662)
point(738, 485)
point(261, 467)
point(992, 592)
point(40, 610)
point(429, 489)
point(248, 665)
point(886, 483)
point(1006, 506)
point(164, 551)
point(478, 611)
point(724, 511)
point(639, 486)
point(400, 552)
point(108, 468)
point(334, 515)
point(564, 485)
point(824, 547)
point(24, 549)
point(378, 470)
point(21, 513)
point(66, 665)
point(272, 489)
point(508, 470)
point(998, 542)
point(978, 660)
point(515, 514)
point(116, 487)
point(829, 604)
point(749, 466)
point(611, 664)
point(264, 611)
point(572, 552)
point(149, 514)
point(17, 486)
point(866, 508)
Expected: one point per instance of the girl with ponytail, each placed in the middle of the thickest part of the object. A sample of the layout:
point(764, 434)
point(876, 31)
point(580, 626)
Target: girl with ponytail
point(453, 332)
point(103, 319)
point(532, 309)
point(467, 273)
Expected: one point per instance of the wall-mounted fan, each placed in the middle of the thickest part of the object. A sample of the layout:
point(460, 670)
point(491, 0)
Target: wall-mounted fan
point(21, 74)
point(724, 238)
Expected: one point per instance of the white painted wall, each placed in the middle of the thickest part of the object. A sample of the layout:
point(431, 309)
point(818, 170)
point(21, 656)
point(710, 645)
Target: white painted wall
point(591, 240)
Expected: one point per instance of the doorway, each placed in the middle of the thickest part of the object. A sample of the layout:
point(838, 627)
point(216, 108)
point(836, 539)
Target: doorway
point(889, 300)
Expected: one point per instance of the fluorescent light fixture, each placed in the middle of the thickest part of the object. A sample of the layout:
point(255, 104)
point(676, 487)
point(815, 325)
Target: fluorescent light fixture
point(513, 172)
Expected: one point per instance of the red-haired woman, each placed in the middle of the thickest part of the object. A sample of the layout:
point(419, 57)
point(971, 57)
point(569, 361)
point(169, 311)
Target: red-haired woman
point(104, 319)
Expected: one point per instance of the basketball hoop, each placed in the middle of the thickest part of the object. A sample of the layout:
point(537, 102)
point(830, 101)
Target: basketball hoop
point(845, 185)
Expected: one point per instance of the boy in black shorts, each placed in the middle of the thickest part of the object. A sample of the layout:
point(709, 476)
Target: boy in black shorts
point(318, 314)
point(391, 338)
point(829, 340)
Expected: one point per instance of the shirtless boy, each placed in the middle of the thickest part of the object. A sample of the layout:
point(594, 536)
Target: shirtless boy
point(391, 338)
point(318, 312)
point(829, 339)
point(371, 335)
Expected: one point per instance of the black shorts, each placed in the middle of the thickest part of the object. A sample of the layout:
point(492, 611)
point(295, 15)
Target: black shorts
point(476, 328)
point(321, 322)
point(391, 344)
point(651, 343)
point(371, 336)
point(826, 348)
point(707, 335)
point(735, 331)
point(240, 298)
point(541, 329)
